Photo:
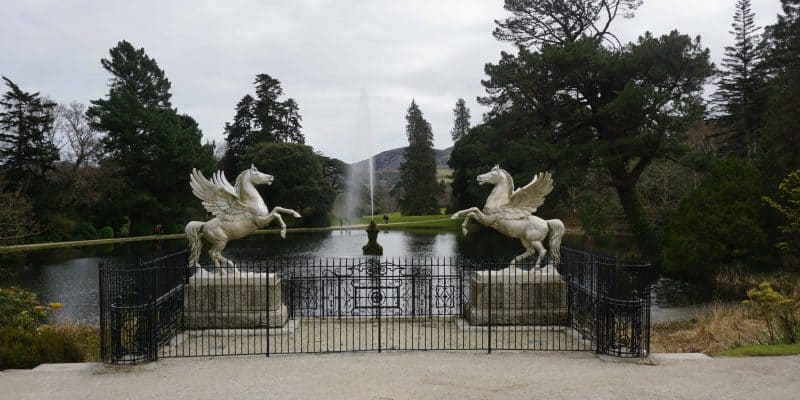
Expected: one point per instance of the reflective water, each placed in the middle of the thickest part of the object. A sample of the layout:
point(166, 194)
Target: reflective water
point(70, 275)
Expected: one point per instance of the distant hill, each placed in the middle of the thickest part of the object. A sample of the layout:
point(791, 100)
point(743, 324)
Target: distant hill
point(391, 159)
point(387, 164)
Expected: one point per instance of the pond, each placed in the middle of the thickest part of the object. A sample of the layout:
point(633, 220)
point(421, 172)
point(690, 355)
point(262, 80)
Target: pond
point(70, 276)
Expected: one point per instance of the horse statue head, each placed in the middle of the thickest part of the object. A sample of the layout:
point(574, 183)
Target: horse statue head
point(503, 186)
point(254, 176)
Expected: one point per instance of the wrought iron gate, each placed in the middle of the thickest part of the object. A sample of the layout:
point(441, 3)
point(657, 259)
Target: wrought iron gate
point(365, 304)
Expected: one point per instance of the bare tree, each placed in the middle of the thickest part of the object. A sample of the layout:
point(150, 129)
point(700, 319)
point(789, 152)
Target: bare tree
point(82, 142)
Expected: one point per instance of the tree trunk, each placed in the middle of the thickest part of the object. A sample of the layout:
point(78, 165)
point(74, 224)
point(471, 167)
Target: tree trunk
point(637, 220)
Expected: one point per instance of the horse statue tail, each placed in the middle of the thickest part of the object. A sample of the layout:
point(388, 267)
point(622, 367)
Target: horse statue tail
point(194, 232)
point(555, 233)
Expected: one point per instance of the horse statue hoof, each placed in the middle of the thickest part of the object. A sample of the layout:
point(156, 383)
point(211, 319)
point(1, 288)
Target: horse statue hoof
point(283, 233)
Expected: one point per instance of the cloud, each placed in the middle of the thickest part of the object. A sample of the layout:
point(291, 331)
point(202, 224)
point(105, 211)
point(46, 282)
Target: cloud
point(324, 52)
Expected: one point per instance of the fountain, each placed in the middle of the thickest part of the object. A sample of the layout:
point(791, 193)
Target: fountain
point(360, 189)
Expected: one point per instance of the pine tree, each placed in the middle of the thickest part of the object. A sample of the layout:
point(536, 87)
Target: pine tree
point(779, 153)
point(740, 96)
point(263, 118)
point(556, 22)
point(460, 120)
point(418, 170)
point(152, 146)
point(27, 150)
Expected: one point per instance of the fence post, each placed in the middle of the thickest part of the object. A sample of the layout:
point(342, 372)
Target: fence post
point(339, 293)
point(490, 310)
point(102, 295)
point(379, 310)
point(597, 304)
point(268, 305)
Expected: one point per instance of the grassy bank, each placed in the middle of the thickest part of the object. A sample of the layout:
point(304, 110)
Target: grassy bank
point(763, 350)
point(396, 221)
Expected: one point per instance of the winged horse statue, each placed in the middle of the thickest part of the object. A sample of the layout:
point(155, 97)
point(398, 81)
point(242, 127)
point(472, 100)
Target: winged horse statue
point(238, 211)
point(509, 211)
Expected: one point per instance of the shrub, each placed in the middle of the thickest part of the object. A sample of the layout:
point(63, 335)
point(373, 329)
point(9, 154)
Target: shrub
point(84, 231)
point(175, 228)
point(85, 337)
point(779, 312)
point(124, 227)
point(719, 225)
point(26, 349)
point(106, 232)
point(20, 309)
point(788, 205)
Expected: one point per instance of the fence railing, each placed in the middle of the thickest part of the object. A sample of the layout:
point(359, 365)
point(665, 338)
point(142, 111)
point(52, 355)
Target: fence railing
point(159, 308)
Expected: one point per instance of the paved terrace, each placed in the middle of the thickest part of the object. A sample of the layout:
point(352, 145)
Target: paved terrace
point(413, 375)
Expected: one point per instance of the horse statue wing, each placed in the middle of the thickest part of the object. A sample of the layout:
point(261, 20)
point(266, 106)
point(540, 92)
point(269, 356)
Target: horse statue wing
point(217, 195)
point(525, 200)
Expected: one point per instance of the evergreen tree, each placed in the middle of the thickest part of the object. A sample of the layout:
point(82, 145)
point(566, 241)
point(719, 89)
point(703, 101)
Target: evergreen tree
point(460, 120)
point(27, 150)
point(418, 170)
point(152, 147)
point(555, 22)
point(239, 133)
point(779, 153)
point(300, 181)
point(263, 118)
point(579, 106)
point(740, 97)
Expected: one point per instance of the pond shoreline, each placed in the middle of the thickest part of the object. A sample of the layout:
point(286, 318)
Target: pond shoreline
point(437, 224)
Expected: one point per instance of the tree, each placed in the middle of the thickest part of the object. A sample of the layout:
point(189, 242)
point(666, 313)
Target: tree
point(83, 142)
point(299, 182)
point(611, 111)
point(460, 120)
point(740, 97)
point(264, 118)
point(718, 225)
point(418, 170)
point(556, 22)
point(788, 205)
point(27, 148)
point(152, 147)
point(778, 152)
point(17, 219)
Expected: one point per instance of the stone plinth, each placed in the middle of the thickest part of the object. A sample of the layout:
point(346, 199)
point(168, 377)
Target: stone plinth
point(232, 301)
point(518, 297)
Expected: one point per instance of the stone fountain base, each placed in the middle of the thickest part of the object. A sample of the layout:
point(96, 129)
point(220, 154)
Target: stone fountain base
point(518, 297)
point(233, 301)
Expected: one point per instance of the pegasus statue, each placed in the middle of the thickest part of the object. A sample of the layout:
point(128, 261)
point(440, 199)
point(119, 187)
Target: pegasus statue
point(509, 211)
point(238, 211)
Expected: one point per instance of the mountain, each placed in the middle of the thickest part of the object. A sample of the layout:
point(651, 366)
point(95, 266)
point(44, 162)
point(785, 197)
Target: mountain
point(391, 159)
point(387, 164)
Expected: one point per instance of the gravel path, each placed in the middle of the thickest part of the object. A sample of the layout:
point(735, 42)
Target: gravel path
point(413, 375)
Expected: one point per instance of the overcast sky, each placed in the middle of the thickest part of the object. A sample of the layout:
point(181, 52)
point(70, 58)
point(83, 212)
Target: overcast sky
point(323, 52)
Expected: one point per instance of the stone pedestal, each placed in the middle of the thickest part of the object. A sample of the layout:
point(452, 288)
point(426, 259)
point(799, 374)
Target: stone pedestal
point(232, 301)
point(518, 297)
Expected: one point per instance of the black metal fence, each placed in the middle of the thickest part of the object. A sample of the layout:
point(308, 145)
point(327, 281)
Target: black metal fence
point(159, 308)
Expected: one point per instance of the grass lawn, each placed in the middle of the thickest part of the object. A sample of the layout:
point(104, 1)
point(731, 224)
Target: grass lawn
point(396, 217)
point(759, 350)
point(417, 221)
